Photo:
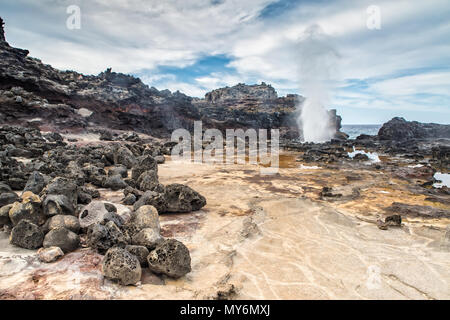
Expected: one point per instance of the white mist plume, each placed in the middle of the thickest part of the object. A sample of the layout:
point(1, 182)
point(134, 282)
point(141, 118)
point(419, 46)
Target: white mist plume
point(317, 60)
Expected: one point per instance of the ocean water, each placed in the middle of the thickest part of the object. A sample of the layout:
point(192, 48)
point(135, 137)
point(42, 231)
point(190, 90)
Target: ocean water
point(354, 130)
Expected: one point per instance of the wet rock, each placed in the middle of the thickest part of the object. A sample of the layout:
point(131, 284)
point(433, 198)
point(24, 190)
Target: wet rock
point(29, 209)
point(115, 183)
point(181, 198)
point(171, 258)
point(129, 200)
point(35, 183)
point(122, 266)
point(154, 199)
point(63, 238)
point(119, 170)
point(27, 235)
point(102, 237)
point(124, 156)
point(4, 215)
point(8, 198)
point(49, 255)
point(58, 205)
point(399, 129)
point(63, 221)
point(148, 238)
point(140, 252)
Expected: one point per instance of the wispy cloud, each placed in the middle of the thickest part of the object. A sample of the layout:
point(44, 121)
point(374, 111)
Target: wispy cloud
point(196, 46)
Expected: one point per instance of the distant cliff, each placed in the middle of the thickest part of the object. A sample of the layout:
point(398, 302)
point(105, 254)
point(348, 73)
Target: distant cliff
point(36, 94)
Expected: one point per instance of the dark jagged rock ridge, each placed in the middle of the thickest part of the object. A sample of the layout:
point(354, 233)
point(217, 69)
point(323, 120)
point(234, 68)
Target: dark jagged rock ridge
point(254, 106)
point(35, 93)
point(400, 129)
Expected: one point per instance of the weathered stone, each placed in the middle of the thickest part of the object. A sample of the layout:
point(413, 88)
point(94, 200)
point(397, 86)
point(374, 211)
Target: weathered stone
point(119, 170)
point(124, 156)
point(140, 252)
point(8, 198)
point(148, 181)
point(30, 209)
point(92, 213)
point(145, 217)
point(129, 200)
point(115, 182)
point(58, 205)
point(27, 235)
point(62, 186)
point(50, 254)
point(145, 163)
point(63, 221)
point(4, 215)
point(102, 237)
point(394, 220)
point(171, 258)
point(35, 183)
point(181, 198)
point(160, 159)
point(409, 210)
point(154, 199)
point(122, 266)
point(148, 238)
point(63, 238)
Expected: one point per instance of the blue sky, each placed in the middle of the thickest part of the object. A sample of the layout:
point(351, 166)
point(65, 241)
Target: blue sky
point(401, 69)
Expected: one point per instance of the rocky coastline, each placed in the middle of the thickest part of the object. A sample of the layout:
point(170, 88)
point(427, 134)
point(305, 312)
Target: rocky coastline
point(88, 188)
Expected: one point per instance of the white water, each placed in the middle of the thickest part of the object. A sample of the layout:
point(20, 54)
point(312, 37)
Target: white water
point(444, 177)
point(373, 156)
point(317, 61)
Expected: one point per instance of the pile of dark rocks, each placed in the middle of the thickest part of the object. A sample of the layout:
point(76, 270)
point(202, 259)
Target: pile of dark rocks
point(49, 194)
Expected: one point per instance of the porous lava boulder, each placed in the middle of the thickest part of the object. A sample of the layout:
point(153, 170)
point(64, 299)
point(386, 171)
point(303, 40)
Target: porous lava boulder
point(148, 238)
point(125, 157)
point(140, 252)
point(171, 258)
point(63, 221)
point(92, 213)
point(144, 163)
point(145, 217)
point(63, 238)
point(50, 254)
point(4, 215)
point(27, 235)
point(181, 198)
point(62, 186)
point(148, 181)
point(154, 199)
point(115, 182)
point(35, 183)
point(58, 204)
point(102, 237)
point(8, 198)
point(29, 209)
point(121, 266)
point(118, 170)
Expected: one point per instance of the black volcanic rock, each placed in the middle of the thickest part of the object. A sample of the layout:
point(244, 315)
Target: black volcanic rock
point(400, 129)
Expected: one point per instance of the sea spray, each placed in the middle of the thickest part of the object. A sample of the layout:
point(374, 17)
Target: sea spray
point(317, 61)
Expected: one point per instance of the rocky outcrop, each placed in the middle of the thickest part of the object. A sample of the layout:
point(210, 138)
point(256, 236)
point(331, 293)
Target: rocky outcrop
point(36, 94)
point(400, 129)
